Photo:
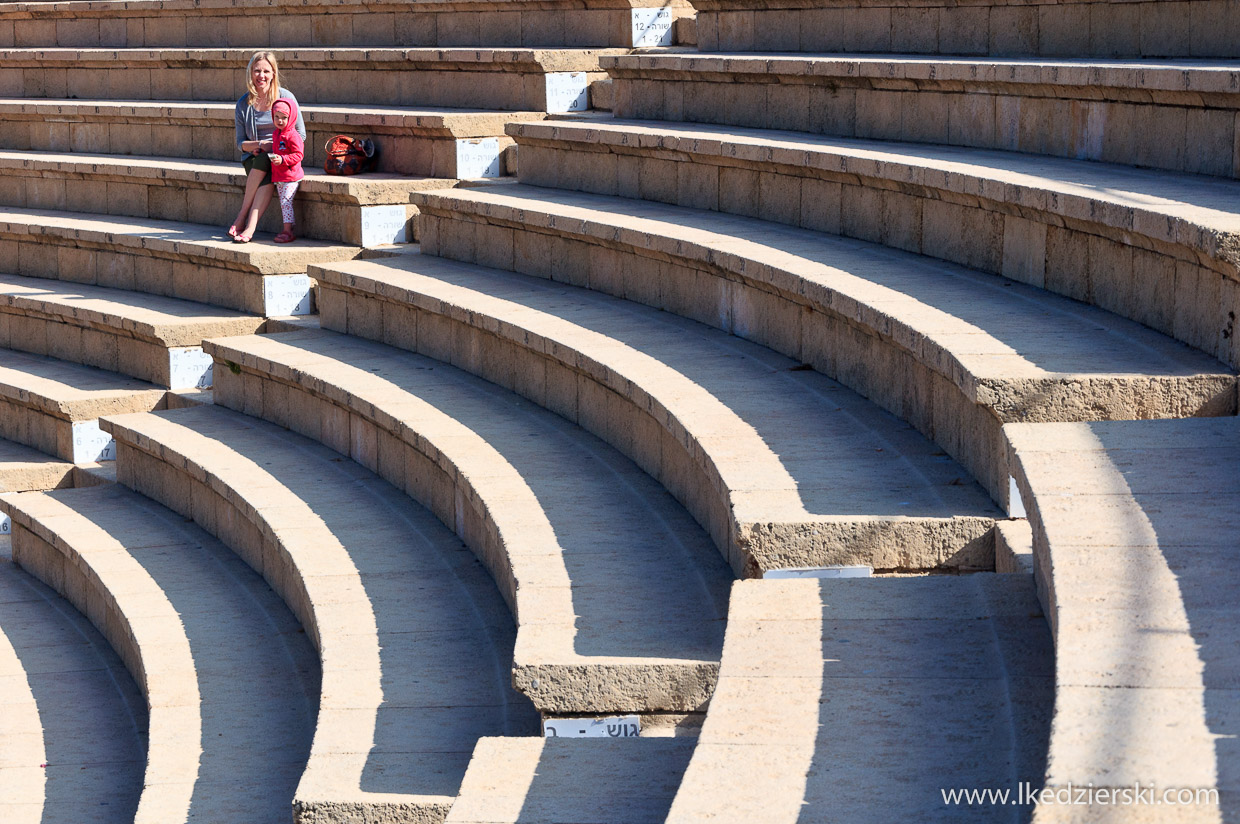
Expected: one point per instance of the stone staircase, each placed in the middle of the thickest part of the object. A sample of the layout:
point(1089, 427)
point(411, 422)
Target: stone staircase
point(846, 290)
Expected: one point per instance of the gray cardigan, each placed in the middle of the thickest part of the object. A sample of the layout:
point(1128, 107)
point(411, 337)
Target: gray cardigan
point(247, 129)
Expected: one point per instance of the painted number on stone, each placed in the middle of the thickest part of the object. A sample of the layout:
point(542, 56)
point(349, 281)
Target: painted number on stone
point(383, 224)
point(189, 368)
point(90, 443)
point(6, 525)
point(628, 726)
point(286, 295)
point(477, 158)
point(652, 27)
point(567, 92)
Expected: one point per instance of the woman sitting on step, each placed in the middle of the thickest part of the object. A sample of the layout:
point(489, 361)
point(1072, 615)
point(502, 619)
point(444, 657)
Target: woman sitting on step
point(254, 130)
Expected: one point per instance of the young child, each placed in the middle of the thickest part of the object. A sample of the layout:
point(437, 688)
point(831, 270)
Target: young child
point(287, 150)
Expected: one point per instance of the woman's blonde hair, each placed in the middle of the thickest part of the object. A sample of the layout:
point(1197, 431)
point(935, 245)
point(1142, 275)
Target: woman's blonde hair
point(273, 90)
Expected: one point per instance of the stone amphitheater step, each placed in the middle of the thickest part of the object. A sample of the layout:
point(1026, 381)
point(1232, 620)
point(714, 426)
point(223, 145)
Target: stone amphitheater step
point(783, 467)
point(413, 640)
point(1176, 115)
point(329, 208)
point(566, 781)
point(1150, 246)
point(23, 469)
point(1134, 527)
point(359, 23)
point(619, 596)
point(148, 337)
point(540, 80)
point(834, 691)
point(230, 682)
point(446, 143)
point(72, 722)
point(53, 406)
point(1072, 29)
point(953, 351)
point(188, 261)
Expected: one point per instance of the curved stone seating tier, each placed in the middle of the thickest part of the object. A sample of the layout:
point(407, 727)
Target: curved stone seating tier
point(782, 466)
point(52, 405)
point(567, 781)
point(1171, 115)
point(292, 23)
point(831, 691)
point(1134, 537)
point(413, 640)
point(1062, 27)
point(188, 261)
point(23, 469)
point(618, 595)
point(1157, 248)
point(954, 352)
point(490, 78)
point(72, 741)
point(143, 336)
point(328, 208)
point(230, 686)
point(420, 142)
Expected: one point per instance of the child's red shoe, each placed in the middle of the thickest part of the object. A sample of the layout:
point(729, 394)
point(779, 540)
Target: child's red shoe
point(285, 237)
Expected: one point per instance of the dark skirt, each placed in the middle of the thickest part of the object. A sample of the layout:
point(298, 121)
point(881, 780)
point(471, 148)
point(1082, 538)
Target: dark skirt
point(259, 161)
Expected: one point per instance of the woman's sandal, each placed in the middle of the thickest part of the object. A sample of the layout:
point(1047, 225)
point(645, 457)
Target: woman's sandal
point(240, 238)
point(232, 231)
point(285, 237)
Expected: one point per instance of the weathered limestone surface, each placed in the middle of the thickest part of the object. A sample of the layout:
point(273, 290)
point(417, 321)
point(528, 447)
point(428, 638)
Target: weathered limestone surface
point(199, 191)
point(782, 466)
point(111, 329)
point(74, 724)
point(231, 687)
point(486, 78)
point(832, 689)
point(1115, 236)
point(1177, 115)
point(1134, 527)
point(566, 781)
point(188, 261)
point(414, 642)
point(1004, 27)
point(23, 469)
point(223, 23)
point(953, 352)
point(618, 595)
point(41, 398)
point(414, 141)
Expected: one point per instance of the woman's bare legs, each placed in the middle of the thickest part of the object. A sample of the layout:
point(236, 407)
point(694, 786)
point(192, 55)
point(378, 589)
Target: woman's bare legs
point(261, 200)
point(252, 183)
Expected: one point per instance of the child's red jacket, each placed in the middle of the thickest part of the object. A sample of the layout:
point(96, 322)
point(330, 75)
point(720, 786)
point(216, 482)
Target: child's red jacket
point(289, 146)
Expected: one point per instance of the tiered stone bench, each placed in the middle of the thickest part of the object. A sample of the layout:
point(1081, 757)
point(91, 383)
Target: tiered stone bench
point(486, 78)
point(831, 691)
point(222, 23)
point(188, 261)
point(147, 337)
point(229, 683)
point(23, 469)
point(952, 351)
point(565, 781)
point(1073, 29)
point(203, 192)
point(72, 741)
point(1134, 527)
point(53, 406)
point(413, 640)
point(782, 466)
point(420, 142)
point(617, 594)
point(1171, 115)
point(1153, 247)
